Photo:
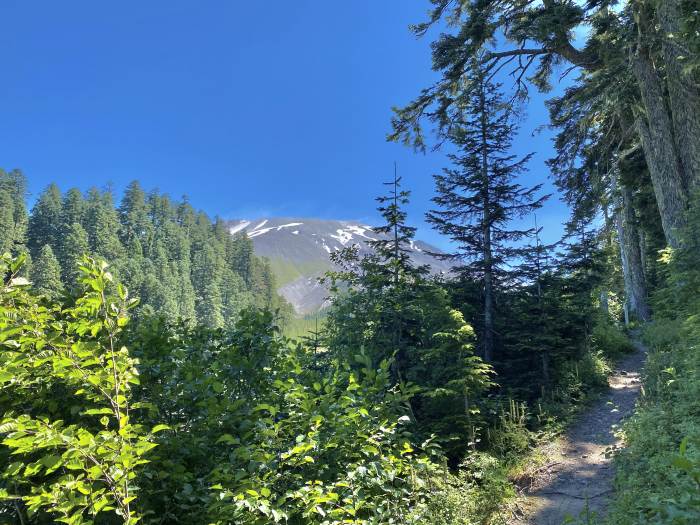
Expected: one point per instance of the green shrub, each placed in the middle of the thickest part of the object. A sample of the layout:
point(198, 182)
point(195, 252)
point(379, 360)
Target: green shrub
point(70, 443)
point(510, 438)
point(475, 495)
point(577, 382)
point(593, 370)
point(651, 486)
point(662, 333)
point(609, 340)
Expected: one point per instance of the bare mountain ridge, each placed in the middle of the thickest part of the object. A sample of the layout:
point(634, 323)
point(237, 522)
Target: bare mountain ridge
point(299, 253)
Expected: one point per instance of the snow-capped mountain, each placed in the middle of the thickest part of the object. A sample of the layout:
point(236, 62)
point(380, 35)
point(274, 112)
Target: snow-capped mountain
point(299, 253)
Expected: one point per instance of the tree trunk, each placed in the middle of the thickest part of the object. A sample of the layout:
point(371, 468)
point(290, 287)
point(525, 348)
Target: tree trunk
point(683, 93)
point(486, 231)
point(633, 272)
point(488, 314)
point(604, 303)
point(656, 131)
point(545, 368)
point(643, 250)
point(666, 179)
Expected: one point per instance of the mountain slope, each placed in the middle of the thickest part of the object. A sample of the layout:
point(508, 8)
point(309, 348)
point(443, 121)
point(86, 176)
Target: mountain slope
point(299, 253)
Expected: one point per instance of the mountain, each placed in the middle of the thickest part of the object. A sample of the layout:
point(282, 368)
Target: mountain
point(299, 253)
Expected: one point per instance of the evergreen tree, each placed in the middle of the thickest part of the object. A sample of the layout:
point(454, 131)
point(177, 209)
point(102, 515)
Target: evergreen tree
point(102, 226)
point(45, 220)
point(75, 246)
point(393, 252)
point(73, 211)
point(160, 285)
point(210, 311)
point(385, 309)
point(648, 45)
point(240, 256)
point(535, 312)
point(46, 274)
point(19, 194)
point(583, 263)
point(234, 298)
point(186, 217)
point(13, 212)
point(478, 198)
point(182, 268)
point(391, 267)
point(207, 270)
point(7, 223)
point(133, 216)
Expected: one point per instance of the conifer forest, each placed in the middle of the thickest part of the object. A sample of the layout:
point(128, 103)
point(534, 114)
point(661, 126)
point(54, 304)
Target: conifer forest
point(151, 372)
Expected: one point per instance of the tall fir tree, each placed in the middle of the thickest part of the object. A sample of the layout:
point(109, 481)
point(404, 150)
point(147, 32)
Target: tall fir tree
point(75, 246)
point(478, 198)
point(46, 273)
point(7, 223)
point(73, 210)
point(386, 308)
point(45, 220)
point(392, 263)
point(394, 250)
point(13, 212)
point(102, 226)
point(207, 271)
point(133, 216)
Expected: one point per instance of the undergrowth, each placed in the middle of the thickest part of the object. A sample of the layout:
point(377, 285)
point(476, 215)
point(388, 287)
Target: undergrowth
point(657, 477)
point(658, 474)
point(487, 483)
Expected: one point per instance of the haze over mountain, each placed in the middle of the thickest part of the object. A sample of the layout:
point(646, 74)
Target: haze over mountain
point(299, 251)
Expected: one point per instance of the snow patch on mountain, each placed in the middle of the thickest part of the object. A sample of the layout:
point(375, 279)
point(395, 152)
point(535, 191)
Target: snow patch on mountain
point(233, 230)
point(290, 225)
point(259, 232)
point(300, 251)
point(343, 236)
point(360, 230)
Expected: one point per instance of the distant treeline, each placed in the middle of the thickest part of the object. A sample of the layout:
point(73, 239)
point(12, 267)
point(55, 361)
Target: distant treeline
point(176, 259)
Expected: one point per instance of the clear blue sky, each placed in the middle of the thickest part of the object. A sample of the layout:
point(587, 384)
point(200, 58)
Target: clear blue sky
point(249, 108)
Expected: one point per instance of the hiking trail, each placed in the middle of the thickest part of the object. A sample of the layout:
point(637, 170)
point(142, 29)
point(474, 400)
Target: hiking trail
point(578, 476)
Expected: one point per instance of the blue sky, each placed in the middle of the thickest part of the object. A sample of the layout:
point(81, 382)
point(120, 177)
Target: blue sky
point(249, 108)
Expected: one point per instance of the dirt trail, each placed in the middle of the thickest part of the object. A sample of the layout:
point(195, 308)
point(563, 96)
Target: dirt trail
point(579, 473)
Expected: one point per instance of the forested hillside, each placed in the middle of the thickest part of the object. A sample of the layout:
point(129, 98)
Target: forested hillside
point(180, 263)
point(144, 376)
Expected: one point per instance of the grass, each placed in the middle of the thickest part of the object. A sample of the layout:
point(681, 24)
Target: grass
point(286, 271)
point(299, 327)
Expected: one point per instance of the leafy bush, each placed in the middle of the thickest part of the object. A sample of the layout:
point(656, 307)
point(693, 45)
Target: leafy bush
point(475, 495)
point(66, 395)
point(259, 429)
point(260, 434)
point(509, 439)
point(609, 340)
point(662, 333)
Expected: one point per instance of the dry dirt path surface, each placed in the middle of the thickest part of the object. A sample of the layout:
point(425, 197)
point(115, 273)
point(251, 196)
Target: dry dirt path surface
point(579, 473)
